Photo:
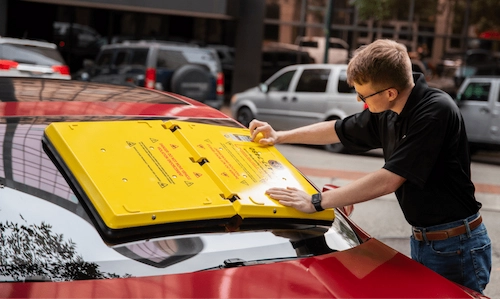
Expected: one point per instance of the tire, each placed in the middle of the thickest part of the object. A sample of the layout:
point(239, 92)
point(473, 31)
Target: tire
point(335, 147)
point(192, 81)
point(244, 116)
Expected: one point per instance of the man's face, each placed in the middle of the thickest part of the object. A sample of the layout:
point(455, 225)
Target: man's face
point(377, 100)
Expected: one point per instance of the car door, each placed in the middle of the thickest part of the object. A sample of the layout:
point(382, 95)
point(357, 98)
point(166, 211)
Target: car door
point(478, 112)
point(494, 130)
point(307, 102)
point(273, 105)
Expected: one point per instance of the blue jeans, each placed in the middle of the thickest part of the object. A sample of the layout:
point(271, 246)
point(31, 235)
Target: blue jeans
point(464, 259)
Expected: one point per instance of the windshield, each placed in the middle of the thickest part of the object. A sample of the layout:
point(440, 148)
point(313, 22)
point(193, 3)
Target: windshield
point(47, 235)
point(30, 54)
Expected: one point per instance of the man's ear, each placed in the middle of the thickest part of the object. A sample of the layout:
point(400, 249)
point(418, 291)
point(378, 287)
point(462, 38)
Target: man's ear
point(393, 94)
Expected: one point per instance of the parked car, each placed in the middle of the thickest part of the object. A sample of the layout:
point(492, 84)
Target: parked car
point(30, 58)
point(184, 69)
point(76, 42)
point(51, 246)
point(473, 62)
point(275, 58)
point(226, 58)
point(299, 95)
point(338, 51)
point(479, 100)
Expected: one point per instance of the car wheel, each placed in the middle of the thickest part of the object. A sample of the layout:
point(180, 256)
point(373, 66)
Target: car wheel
point(335, 147)
point(192, 81)
point(244, 116)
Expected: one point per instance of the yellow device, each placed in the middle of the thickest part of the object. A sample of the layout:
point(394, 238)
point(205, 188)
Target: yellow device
point(153, 178)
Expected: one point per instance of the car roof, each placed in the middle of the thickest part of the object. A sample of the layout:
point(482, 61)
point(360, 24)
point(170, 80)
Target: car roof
point(27, 42)
point(149, 43)
point(30, 97)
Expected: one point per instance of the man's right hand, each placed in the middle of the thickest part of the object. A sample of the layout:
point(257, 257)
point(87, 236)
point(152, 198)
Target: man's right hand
point(262, 133)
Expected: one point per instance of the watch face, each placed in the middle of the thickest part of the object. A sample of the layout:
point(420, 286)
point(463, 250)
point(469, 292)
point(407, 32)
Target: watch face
point(316, 201)
point(316, 198)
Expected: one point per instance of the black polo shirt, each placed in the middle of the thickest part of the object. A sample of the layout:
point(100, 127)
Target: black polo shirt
point(427, 145)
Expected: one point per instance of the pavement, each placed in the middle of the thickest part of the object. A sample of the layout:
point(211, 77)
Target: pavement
point(382, 217)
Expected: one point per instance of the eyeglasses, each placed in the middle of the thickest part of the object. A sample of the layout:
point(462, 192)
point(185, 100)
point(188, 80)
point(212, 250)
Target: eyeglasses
point(373, 94)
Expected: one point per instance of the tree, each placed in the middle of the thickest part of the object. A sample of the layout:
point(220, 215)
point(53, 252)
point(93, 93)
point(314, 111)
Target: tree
point(35, 251)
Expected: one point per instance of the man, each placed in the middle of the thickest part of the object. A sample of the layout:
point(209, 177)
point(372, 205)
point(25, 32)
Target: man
point(427, 162)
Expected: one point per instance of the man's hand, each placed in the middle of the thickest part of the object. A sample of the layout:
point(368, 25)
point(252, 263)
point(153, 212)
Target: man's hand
point(262, 133)
point(292, 197)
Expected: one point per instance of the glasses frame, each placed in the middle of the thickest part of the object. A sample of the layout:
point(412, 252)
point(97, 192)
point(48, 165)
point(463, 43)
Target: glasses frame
point(373, 94)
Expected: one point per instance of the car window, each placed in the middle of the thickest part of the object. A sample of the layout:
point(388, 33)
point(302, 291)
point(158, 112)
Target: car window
point(313, 80)
point(121, 58)
point(170, 59)
point(30, 54)
point(139, 57)
point(309, 44)
point(343, 86)
point(105, 58)
point(282, 82)
point(476, 91)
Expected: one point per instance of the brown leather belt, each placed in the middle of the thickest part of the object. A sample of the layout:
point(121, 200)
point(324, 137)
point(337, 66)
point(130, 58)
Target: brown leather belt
point(439, 235)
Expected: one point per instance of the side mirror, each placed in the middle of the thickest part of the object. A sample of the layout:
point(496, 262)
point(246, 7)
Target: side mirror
point(263, 87)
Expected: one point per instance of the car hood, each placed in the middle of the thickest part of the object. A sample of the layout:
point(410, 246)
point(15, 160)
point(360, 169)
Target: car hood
point(371, 270)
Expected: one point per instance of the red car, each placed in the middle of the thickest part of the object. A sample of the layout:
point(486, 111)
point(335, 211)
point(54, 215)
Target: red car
point(51, 246)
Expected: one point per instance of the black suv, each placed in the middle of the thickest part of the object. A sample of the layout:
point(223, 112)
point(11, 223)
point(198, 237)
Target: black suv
point(183, 69)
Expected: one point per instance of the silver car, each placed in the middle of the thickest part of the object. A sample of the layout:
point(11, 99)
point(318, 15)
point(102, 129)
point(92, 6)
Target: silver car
point(299, 95)
point(29, 58)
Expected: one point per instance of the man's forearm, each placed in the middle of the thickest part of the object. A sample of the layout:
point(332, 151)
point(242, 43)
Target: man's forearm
point(318, 133)
point(373, 185)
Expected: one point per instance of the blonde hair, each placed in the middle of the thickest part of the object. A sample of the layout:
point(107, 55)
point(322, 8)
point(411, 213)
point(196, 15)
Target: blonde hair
point(383, 63)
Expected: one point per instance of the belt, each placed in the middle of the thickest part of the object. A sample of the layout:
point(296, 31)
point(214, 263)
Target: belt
point(444, 234)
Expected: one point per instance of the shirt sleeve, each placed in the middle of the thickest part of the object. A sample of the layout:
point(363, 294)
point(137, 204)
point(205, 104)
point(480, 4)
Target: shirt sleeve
point(359, 132)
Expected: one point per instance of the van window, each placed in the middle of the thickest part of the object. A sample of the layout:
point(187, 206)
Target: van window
point(282, 82)
point(343, 87)
point(476, 91)
point(313, 80)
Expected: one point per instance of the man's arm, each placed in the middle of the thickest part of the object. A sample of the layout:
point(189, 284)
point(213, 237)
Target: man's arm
point(318, 133)
point(373, 185)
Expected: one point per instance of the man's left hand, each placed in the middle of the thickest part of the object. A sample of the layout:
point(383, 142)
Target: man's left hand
point(292, 197)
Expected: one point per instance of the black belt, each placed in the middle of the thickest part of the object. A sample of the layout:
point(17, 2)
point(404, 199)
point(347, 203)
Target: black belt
point(444, 234)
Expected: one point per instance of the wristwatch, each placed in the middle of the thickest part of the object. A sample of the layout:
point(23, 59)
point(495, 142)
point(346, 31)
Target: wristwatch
point(316, 201)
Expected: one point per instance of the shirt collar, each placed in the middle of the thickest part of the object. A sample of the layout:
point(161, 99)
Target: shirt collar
point(416, 94)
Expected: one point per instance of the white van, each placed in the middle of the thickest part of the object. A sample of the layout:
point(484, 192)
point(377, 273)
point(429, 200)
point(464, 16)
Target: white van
point(479, 102)
point(299, 95)
point(315, 45)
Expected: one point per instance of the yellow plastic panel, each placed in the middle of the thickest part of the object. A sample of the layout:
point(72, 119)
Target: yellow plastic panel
point(145, 173)
point(136, 173)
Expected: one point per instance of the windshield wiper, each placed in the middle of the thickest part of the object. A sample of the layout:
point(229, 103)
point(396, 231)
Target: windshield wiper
point(237, 262)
